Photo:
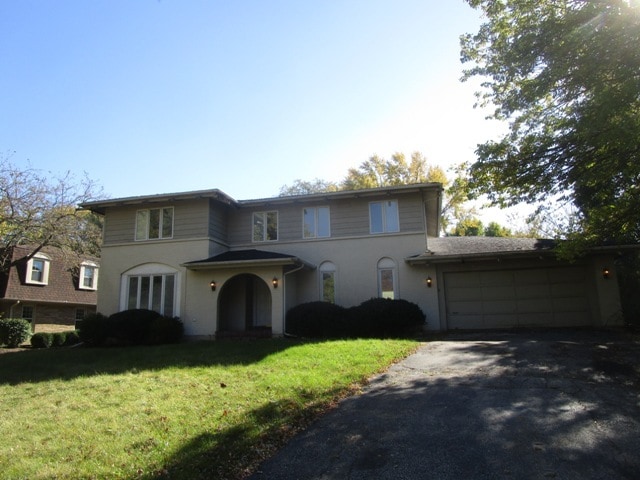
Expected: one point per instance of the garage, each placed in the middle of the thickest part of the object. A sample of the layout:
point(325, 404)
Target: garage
point(526, 297)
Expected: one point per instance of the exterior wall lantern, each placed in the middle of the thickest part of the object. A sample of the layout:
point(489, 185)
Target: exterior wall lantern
point(429, 282)
point(274, 282)
point(605, 272)
point(213, 285)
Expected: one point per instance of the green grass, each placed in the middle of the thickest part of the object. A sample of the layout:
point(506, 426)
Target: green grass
point(200, 410)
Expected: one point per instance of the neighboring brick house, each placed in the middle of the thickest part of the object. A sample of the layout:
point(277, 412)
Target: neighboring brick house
point(228, 266)
point(50, 290)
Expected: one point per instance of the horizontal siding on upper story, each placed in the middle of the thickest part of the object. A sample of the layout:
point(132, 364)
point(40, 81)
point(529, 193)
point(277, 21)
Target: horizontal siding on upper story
point(348, 217)
point(190, 220)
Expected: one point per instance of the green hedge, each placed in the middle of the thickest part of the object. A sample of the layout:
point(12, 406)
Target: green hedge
point(14, 331)
point(375, 318)
point(130, 327)
point(42, 340)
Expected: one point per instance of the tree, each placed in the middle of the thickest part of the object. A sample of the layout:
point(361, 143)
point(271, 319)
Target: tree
point(494, 229)
point(39, 210)
point(469, 227)
point(566, 75)
point(302, 187)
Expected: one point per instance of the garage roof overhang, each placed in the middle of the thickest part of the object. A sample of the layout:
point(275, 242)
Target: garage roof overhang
point(477, 249)
point(248, 258)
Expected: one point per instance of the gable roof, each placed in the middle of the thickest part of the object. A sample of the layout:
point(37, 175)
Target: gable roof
point(61, 288)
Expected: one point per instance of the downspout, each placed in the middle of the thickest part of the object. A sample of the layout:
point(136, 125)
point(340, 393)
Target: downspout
point(284, 303)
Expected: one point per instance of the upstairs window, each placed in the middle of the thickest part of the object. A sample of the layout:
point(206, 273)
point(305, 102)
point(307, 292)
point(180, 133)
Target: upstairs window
point(315, 222)
point(265, 226)
point(88, 276)
point(154, 223)
point(38, 270)
point(383, 217)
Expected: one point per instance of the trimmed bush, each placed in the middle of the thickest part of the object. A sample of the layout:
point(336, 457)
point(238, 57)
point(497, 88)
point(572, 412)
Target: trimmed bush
point(93, 330)
point(130, 327)
point(41, 340)
point(14, 331)
point(73, 338)
point(317, 320)
point(58, 339)
point(384, 318)
point(165, 330)
point(375, 318)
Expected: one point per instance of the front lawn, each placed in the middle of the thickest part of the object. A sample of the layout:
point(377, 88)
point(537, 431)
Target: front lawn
point(199, 410)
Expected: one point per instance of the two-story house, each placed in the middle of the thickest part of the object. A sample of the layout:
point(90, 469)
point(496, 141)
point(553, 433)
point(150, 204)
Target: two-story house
point(226, 266)
point(49, 289)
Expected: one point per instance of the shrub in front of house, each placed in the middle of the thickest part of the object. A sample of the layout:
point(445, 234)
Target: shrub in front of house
point(385, 318)
point(42, 340)
point(58, 339)
point(94, 330)
point(317, 320)
point(165, 330)
point(375, 318)
point(73, 338)
point(130, 327)
point(14, 331)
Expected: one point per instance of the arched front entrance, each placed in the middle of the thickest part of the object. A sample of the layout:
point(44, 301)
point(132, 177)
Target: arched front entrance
point(244, 307)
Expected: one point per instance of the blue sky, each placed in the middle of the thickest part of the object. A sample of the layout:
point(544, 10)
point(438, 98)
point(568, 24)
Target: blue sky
point(157, 96)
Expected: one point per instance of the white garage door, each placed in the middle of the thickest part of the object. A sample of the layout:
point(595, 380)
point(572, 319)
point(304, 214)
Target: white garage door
point(517, 298)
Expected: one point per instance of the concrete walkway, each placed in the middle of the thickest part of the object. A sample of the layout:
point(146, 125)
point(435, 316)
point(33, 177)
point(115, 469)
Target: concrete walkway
point(562, 405)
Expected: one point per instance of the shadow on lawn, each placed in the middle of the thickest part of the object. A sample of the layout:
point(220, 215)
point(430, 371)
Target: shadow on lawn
point(41, 365)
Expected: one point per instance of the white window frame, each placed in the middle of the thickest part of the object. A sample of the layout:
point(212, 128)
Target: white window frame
point(386, 225)
point(264, 217)
point(151, 270)
point(84, 267)
point(33, 313)
point(316, 222)
point(143, 224)
point(387, 264)
point(327, 268)
point(38, 257)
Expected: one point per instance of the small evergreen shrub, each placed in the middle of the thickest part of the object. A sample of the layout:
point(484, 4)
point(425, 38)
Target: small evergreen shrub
point(165, 330)
point(73, 338)
point(93, 330)
point(41, 340)
point(130, 327)
point(375, 318)
point(384, 318)
point(317, 320)
point(58, 339)
point(14, 331)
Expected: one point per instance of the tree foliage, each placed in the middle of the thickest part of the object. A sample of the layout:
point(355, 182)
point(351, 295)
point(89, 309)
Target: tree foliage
point(381, 172)
point(566, 75)
point(38, 210)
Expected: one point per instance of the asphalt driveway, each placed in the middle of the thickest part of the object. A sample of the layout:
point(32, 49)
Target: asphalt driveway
point(562, 405)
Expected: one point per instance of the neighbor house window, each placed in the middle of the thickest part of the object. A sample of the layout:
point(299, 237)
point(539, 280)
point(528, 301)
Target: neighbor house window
point(80, 313)
point(154, 223)
point(28, 312)
point(265, 226)
point(88, 276)
point(383, 216)
point(328, 282)
point(38, 270)
point(387, 278)
point(315, 222)
point(152, 292)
